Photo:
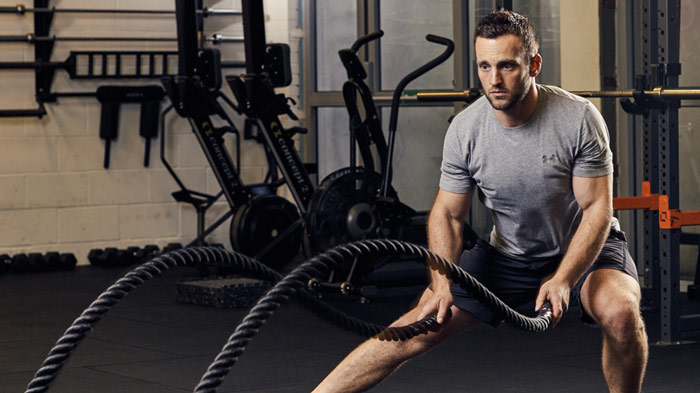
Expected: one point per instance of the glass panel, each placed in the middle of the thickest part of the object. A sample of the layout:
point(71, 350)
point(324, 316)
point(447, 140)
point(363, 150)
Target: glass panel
point(333, 140)
point(404, 47)
point(336, 28)
point(477, 10)
point(544, 15)
point(418, 153)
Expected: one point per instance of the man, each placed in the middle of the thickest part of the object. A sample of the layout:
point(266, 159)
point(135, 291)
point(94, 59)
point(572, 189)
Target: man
point(541, 162)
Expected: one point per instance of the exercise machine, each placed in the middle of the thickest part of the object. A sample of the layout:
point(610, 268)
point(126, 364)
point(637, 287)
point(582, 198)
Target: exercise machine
point(357, 202)
point(264, 225)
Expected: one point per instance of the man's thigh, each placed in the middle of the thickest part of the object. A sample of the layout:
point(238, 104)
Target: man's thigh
point(611, 281)
point(607, 291)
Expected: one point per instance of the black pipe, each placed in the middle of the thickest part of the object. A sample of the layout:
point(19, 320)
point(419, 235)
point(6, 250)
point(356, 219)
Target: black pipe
point(365, 39)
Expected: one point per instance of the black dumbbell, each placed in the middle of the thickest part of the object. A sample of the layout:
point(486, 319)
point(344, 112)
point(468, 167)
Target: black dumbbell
point(95, 257)
point(4, 263)
point(51, 260)
point(134, 255)
point(147, 252)
point(36, 262)
point(19, 264)
point(67, 261)
point(110, 257)
point(126, 257)
point(172, 247)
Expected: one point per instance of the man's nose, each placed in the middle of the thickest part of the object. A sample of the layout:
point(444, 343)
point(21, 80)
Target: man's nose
point(495, 77)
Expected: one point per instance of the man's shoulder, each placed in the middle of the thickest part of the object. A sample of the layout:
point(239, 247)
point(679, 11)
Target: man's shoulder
point(476, 111)
point(557, 95)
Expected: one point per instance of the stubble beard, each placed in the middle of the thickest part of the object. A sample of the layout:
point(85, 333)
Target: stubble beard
point(515, 96)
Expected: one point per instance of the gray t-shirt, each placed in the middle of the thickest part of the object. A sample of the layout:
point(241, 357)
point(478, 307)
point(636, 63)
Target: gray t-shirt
point(524, 173)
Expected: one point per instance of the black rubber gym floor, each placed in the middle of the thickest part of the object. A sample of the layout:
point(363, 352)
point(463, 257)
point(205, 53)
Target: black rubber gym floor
point(150, 343)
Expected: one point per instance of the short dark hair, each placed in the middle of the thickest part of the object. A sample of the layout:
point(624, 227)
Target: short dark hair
point(502, 22)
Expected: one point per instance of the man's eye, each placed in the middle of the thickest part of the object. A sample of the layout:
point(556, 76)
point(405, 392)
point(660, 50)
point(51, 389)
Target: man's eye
point(507, 66)
point(484, 66)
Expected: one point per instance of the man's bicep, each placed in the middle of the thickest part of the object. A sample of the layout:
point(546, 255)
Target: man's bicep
point(591, 191)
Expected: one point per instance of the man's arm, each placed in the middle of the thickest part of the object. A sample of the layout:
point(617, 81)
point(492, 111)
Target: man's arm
point(445, 225)
point(594, 196)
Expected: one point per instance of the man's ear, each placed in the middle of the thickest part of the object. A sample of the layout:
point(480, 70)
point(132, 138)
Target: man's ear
point(535, 65)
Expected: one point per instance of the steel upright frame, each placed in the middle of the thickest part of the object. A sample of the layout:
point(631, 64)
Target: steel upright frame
point(661, 67)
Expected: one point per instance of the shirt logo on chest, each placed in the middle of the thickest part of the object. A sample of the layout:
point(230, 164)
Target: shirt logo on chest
point(551, 158)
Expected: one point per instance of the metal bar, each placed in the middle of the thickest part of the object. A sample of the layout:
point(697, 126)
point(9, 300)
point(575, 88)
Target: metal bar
point(233, 64)
point(138, 65)
point(327, 99)
point(21, 10)
point(31, 38)
point(662, 93)
point(29, 65)
point(308, 80)
point(77, 94)
point(188, 46)
point(669, 239)
point(630, 60)
point(461, 65)
point(254, 33)
point(43, 77)
point(211, 229)
point(39, 112)
point(219, 11)
point(690, 218)
point(218, 38)
point(122, 56)
point(649, 56)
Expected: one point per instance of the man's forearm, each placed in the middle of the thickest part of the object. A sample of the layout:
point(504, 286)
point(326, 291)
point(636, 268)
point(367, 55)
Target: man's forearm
point(444, 239)
point(586, 243)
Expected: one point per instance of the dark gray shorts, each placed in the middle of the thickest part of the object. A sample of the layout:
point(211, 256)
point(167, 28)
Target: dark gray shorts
point(516, 282)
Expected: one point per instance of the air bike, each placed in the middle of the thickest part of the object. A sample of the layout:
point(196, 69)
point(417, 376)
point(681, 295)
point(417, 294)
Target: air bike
point(357, 202)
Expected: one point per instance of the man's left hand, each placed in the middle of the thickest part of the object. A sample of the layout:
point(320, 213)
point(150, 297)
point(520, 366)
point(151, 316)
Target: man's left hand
point(557, 292)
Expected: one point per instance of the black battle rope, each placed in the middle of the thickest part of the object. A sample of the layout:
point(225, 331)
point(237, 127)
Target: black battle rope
point(197, 256)
point(278, 294)
point(151, 269)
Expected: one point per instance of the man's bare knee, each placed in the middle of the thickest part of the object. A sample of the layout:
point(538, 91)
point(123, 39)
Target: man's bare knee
point(622, 323)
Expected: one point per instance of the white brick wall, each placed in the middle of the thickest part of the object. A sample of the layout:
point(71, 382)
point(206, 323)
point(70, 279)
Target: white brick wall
point(85, 224)
point(56, 190)
point(55, 194)
point(12, 194)
point(24, 227)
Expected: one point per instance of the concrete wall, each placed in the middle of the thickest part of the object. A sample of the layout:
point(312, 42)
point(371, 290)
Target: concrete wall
point(580, 46)
point(54, 193)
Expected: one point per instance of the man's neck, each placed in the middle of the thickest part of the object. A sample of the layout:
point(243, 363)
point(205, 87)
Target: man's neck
point(521, 112)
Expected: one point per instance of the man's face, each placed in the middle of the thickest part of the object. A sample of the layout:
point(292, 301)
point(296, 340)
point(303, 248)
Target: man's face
point(504, 70)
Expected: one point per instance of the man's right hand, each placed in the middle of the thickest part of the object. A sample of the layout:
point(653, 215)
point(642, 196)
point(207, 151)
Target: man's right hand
point(439, 303)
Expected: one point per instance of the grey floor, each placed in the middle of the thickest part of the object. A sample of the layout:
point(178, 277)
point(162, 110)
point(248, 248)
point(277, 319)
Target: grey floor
point(150, 343)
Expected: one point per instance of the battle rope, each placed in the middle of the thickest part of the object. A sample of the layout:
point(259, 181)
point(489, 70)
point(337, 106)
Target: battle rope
point(191, 256)
point(280, 293)
point(153, 268)
point(271, 301)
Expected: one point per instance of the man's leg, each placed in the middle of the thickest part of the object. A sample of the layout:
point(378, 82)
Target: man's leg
point(612, 298)
point(375, 360)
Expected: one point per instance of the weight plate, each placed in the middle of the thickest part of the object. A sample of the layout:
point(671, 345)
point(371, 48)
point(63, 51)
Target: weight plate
point(343, 209)
point(259, 222)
